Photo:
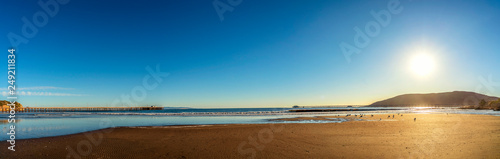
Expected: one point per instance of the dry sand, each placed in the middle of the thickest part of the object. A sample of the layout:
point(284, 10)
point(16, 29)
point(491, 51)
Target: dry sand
point(430, 136)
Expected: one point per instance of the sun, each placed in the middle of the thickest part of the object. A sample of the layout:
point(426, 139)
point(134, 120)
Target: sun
point(422, 64)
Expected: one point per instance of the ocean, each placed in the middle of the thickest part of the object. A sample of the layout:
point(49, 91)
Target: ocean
point(46, 124)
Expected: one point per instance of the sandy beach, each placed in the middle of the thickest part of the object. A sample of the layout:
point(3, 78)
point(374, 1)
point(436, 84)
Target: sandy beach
point(430, 136)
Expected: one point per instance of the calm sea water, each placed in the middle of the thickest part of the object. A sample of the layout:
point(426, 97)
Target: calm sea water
point(36, 125)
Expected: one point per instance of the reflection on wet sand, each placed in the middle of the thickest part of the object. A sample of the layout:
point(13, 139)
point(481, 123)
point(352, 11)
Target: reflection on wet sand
point(7, 121)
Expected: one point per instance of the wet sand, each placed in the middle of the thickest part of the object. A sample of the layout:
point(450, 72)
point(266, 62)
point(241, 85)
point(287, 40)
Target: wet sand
point(430, 136)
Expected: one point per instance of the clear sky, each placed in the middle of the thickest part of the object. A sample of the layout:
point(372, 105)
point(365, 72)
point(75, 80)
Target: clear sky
point(275, 53)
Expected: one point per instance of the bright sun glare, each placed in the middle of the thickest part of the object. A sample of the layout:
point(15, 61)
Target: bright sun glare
point(422, 64)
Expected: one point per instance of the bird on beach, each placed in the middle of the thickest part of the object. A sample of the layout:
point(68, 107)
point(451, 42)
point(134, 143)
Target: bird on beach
point(372, 115)
point(414, 119)
point(393, 116)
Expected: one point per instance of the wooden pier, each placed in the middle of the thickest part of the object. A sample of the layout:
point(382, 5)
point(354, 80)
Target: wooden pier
point(80, 109)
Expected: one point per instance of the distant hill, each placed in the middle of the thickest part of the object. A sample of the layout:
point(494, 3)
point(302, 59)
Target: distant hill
point(3, 105)
point(450, 99)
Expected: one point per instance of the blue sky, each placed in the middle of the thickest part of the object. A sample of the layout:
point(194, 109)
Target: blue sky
point(263, 54)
